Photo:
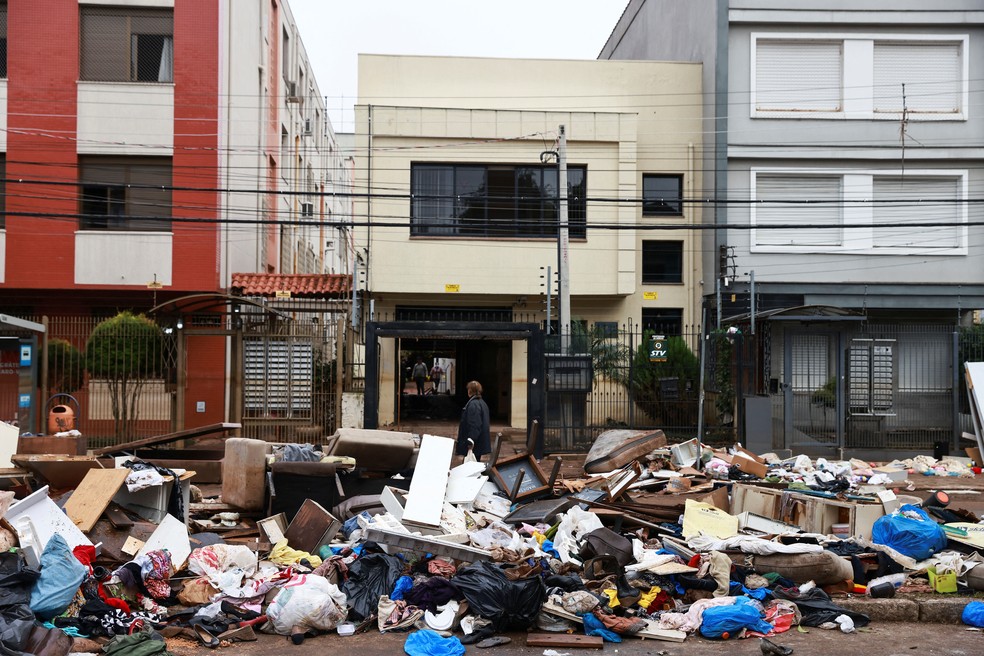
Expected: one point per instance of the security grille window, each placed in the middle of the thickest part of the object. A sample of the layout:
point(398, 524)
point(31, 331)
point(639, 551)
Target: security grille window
point(808, 201)
point(662, 261)
point(125, 44)
point(494, 201)
point(3, 40)
point(125, 193)
point(871, 368)
point(662, 195)
point(798, 75)
point(663, 321)
point(931, 72)
point(278, 377)
point(901, 200)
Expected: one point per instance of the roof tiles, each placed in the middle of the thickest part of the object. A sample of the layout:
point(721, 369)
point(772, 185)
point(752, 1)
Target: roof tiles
point(314, 285)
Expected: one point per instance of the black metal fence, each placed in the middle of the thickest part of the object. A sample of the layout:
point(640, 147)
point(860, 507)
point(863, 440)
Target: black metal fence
point(812, 388)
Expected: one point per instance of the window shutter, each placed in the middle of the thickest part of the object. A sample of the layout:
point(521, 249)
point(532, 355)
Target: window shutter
point(931, 73)
point(770, 189)
point(894, 207)
point(798, 75)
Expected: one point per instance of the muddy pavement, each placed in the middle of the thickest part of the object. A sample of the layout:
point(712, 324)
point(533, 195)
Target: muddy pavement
point(885, 639)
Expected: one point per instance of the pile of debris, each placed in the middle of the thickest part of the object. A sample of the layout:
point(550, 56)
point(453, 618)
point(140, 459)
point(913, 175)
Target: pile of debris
point(376, 530)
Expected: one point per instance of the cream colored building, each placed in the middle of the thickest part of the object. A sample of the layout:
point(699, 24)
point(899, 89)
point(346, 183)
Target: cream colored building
point(457, 207)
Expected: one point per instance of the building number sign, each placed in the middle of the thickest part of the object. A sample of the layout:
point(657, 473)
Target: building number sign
point(657, 348)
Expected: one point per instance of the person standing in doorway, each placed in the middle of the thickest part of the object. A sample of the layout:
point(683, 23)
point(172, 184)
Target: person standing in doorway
point(473, 431)
point(435, 373)
point(419, 375)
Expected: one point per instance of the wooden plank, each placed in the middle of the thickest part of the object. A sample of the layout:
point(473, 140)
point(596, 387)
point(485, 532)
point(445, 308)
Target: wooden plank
point(167, 438)
point(311, 528)
point(117, 517)
point(564, 640)
point(93, 495)
point(425, 500)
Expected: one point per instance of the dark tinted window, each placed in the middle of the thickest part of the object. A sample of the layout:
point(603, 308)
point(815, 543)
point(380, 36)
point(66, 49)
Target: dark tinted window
point(663, 321)
point(662, 195)
point(662, 261)
point(125, 193)
point(494, 201)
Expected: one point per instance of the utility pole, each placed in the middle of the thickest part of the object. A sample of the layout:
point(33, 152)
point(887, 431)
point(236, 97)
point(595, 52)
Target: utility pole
point(563, 246)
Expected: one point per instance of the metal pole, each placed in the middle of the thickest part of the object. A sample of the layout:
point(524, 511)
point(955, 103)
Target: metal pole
point(700, 384)
point(751, 290)
point(549, 297)
point(717, 294)
point(564, 310)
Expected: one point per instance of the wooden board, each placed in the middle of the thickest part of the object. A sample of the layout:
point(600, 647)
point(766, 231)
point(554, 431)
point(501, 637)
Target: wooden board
point(167, 438)
point(311, 528)
point(564, 640)
point(425, 500)
point(92, 496)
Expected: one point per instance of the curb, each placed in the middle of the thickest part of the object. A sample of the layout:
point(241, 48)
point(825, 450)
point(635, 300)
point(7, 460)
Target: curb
point(934, 610)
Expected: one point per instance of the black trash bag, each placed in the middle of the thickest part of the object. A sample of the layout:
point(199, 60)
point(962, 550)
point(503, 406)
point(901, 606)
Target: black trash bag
point(16, 579)
point(16, 623)
point(508, 604)
point(817, 608)
point(369, 578)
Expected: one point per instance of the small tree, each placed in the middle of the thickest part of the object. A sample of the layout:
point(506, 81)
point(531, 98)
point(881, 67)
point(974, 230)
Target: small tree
point(125, 352)
point(66, 369)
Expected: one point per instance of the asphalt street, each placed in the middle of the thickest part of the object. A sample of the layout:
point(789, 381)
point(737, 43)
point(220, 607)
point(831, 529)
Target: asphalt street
point(883, 639)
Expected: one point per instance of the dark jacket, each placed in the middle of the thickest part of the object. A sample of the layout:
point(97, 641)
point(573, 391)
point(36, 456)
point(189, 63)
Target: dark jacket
point(474, 425)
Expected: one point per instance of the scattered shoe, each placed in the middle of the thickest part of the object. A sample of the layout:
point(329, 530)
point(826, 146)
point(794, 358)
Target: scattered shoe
point(205, 636)
point(770, 648)
point(242, 634)
point(494, 641)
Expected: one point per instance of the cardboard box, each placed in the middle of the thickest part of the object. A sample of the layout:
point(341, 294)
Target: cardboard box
point(943, 583)
point(974, 454)
point(748, 454)
point(750, 466)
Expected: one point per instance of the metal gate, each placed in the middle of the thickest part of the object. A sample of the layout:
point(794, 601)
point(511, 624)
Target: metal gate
point(290, 384)
point(810, 391)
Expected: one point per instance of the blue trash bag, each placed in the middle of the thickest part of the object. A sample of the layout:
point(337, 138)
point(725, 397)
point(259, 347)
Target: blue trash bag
point(743, 614)
point(973, 614)
point(402, 585)
point(61, 576)
point(594, 627)
point(429, 643)
point(915, 538)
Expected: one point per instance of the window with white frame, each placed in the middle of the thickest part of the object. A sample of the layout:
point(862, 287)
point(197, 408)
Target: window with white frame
point(859, 76)
point(903, 200)
point(798, 75)
point(871, 211)
point(813, 203)
point(928, 74)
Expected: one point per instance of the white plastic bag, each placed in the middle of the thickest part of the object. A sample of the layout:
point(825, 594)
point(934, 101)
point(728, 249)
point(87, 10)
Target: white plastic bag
point(309, 601)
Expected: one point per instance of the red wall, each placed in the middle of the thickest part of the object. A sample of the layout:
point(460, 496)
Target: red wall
point(42, 69)
point(196, 143)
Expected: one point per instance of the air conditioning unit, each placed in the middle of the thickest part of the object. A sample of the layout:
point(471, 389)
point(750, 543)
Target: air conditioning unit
point(308, 127)
point(307, 210)
point(292, 92)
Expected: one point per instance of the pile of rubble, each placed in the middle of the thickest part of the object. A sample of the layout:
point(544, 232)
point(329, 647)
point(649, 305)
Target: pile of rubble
point(376, 530)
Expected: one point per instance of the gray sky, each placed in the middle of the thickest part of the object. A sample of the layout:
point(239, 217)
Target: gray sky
point(336, 31)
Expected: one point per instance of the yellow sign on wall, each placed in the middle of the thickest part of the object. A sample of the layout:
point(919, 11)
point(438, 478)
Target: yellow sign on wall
point(452, 289)
point(650, 296)
point(282, 293)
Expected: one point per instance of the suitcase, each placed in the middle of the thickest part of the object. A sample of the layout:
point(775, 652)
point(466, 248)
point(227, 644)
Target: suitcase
point(616, 448)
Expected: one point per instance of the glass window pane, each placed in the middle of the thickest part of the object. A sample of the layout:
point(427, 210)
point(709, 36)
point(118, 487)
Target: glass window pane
point(662, 195)
point(432, 207)
point(470, 201)
point(662, 261)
